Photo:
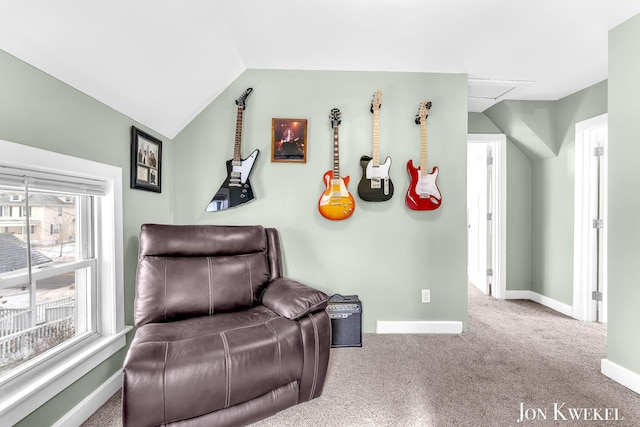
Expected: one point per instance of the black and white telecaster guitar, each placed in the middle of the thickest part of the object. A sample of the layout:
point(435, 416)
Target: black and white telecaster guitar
point(236, 188)
point(375, 184)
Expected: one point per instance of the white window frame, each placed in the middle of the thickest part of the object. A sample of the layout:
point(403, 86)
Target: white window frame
point(22, 395)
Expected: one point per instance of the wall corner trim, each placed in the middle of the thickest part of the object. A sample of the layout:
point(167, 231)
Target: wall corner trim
point(621, 375)
point(83, 410)
point(418, 327)
point(558, 306)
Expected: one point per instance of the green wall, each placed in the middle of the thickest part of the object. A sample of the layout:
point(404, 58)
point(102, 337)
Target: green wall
point(553, 197)
point(540, 186)
point(40, 111)
point(623, 344)
point(529, 124)
point(384, 252)
point(518, 237)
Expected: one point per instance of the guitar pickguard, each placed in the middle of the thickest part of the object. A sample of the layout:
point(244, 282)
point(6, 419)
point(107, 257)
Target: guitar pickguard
point(241, 171)
point(426, 186)
point(375, 185)
point(236, 188)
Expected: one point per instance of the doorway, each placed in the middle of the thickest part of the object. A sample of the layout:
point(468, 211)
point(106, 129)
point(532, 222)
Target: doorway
point(590, 220)
point(486, 213)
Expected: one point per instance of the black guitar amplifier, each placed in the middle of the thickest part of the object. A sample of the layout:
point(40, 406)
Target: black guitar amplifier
point(345, 312)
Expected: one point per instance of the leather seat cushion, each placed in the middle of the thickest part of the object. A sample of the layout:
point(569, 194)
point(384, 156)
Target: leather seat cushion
point(208, 363)
point(170, 288)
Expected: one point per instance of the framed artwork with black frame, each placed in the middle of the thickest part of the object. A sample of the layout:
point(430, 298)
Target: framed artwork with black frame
point(289, 140)
point(146, 161)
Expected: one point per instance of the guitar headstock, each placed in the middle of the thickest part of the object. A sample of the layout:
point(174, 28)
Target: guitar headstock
point(377, 98)
point(422, 112)
point(242, 101)
point(335, 116)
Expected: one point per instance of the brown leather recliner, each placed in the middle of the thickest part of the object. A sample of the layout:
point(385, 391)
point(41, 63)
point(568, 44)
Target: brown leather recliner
point(223, 339)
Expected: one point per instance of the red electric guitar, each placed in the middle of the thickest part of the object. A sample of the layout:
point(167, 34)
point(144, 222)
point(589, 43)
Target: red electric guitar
point(336, 202)
point(423, 193)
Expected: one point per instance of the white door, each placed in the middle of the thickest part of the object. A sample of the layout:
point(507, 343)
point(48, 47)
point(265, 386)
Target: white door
point(590, 229)
point(487, 213)
point(477, 207)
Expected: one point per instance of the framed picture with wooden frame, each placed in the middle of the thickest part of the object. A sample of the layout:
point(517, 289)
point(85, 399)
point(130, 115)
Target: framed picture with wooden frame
point(289, 140)
point(146, 161)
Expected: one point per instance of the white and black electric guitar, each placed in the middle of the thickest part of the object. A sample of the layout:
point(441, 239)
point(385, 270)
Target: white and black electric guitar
point(375, 184)
point(236, 188)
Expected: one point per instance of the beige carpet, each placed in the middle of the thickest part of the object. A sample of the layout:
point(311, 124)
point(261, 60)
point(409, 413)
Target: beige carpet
point(515, 353)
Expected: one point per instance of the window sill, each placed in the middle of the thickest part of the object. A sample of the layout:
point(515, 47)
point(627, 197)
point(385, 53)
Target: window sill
point(34, 388)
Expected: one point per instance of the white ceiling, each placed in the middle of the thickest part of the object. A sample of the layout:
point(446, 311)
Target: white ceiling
point(162, 61)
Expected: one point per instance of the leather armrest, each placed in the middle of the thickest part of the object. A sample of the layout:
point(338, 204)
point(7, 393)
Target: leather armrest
point(292, 299)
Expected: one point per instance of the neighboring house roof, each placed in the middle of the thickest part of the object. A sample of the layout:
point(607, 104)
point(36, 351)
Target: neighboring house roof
point(36, 200)
point(13, 254)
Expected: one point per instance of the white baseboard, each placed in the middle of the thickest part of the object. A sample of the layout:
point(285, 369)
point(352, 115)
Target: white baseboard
point(558, 306)
point(622, 375)
point(517, 294)
point(83, 410)
point(418, 327)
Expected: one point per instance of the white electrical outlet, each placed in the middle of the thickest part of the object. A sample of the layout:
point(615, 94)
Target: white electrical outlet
point(426, 295)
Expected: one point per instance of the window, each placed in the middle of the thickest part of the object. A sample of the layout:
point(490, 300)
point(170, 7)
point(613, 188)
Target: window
point(32, 229)
point(45, 283)
point(55, 229)
point(61, 313)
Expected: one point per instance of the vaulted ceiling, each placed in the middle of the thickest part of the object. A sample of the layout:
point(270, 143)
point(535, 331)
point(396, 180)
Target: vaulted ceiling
point(162, 61)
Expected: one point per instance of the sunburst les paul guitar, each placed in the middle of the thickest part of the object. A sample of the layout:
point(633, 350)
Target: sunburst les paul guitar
point(423, 193)
point(236, 188)
point(375, 184)
point(336, 202)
